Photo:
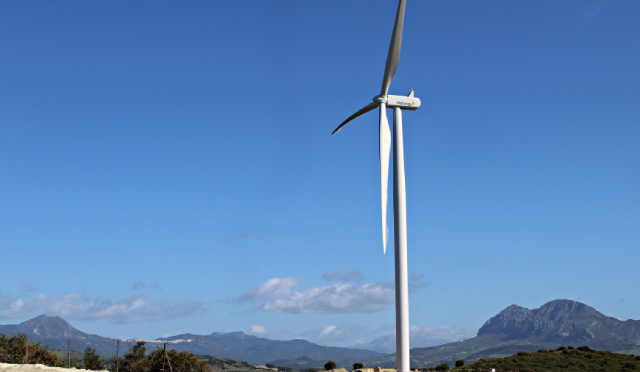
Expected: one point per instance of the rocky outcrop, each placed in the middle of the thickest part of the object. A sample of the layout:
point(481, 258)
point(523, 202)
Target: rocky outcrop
point(560, 321)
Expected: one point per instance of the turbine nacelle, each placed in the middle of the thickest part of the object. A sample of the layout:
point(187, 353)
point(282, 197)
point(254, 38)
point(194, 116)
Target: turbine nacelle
point(404, 102)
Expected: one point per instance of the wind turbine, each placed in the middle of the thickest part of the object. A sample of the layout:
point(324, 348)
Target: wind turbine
point(398, 103)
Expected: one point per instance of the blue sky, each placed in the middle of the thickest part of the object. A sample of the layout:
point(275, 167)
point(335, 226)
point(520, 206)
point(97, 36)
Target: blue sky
point(168, 167)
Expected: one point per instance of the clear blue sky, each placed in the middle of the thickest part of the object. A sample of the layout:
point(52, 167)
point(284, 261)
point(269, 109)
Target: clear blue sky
point(168, 167)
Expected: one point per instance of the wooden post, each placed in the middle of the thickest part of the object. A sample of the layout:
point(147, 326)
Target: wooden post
point(117, 355)
point(164, 354)
point(168, 360)
point(69, 355)
point(26, 354)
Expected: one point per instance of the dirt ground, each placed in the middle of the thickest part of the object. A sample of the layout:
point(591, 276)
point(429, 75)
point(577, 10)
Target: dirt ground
point(4, 367)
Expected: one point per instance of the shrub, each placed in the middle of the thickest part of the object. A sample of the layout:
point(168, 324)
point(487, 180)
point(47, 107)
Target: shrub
point(459, 363)
point(358, 365)
point(92, 360)
point(13, 350)
point(330, 365)
point(442, 367)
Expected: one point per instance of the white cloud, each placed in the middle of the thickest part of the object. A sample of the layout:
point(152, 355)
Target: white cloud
point(330, 329)
point(272, 288)
point(283, 296)
point(341, 335)
point(75, 306)
point(261, 331)
point(345, 276)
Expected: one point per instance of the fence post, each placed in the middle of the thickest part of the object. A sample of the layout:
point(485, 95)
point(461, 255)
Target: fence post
point(117, 355)
point(167, 355)
point(164, 354)
point(26, 354)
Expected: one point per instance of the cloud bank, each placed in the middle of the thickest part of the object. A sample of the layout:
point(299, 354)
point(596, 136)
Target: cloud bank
point(75, 306)
point(283, 295)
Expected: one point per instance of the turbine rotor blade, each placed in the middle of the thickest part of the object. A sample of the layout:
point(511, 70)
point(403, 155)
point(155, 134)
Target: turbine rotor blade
point(393, 58)
point(363, 110)
point(385, 150)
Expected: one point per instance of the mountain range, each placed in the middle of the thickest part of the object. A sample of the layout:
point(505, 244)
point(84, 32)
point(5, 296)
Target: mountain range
point(556, 323)
point(55, 332)
point(387, 344)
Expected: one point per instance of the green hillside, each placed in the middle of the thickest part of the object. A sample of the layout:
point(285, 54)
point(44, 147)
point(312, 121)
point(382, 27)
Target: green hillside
point(561, 359)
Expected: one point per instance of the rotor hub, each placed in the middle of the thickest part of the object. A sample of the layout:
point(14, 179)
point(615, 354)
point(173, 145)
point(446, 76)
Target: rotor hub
point(380, 99)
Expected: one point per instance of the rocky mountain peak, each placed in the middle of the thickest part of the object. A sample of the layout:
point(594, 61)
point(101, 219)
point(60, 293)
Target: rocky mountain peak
point(47, 326)
point(561, 321)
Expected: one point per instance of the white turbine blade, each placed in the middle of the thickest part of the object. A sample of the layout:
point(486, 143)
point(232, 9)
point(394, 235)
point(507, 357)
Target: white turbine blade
point(363, 110)
point(393, 58)
point(385, 149)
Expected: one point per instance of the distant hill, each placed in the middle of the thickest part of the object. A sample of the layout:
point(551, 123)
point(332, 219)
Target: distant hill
point(238, 345)
point(55, 331)
point(562, 322)
point(387, 344)
point(514, 329)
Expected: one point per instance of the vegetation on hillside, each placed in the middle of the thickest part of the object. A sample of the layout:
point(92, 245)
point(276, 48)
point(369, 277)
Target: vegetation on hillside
point(280, 368)
point(565, 359)
point(136, 359)
point(230, 365)
point(17, 350)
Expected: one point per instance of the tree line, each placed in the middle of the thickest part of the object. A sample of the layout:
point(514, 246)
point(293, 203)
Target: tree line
point(18, 350)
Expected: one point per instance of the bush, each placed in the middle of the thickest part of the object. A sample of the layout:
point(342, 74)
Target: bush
point(330, 365)
point(459, 363)
point(442, 367)
point(92, 360)
point(13, 350)
point(358, 365)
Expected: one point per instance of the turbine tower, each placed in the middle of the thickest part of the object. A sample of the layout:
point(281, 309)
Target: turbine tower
point(398, 103)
